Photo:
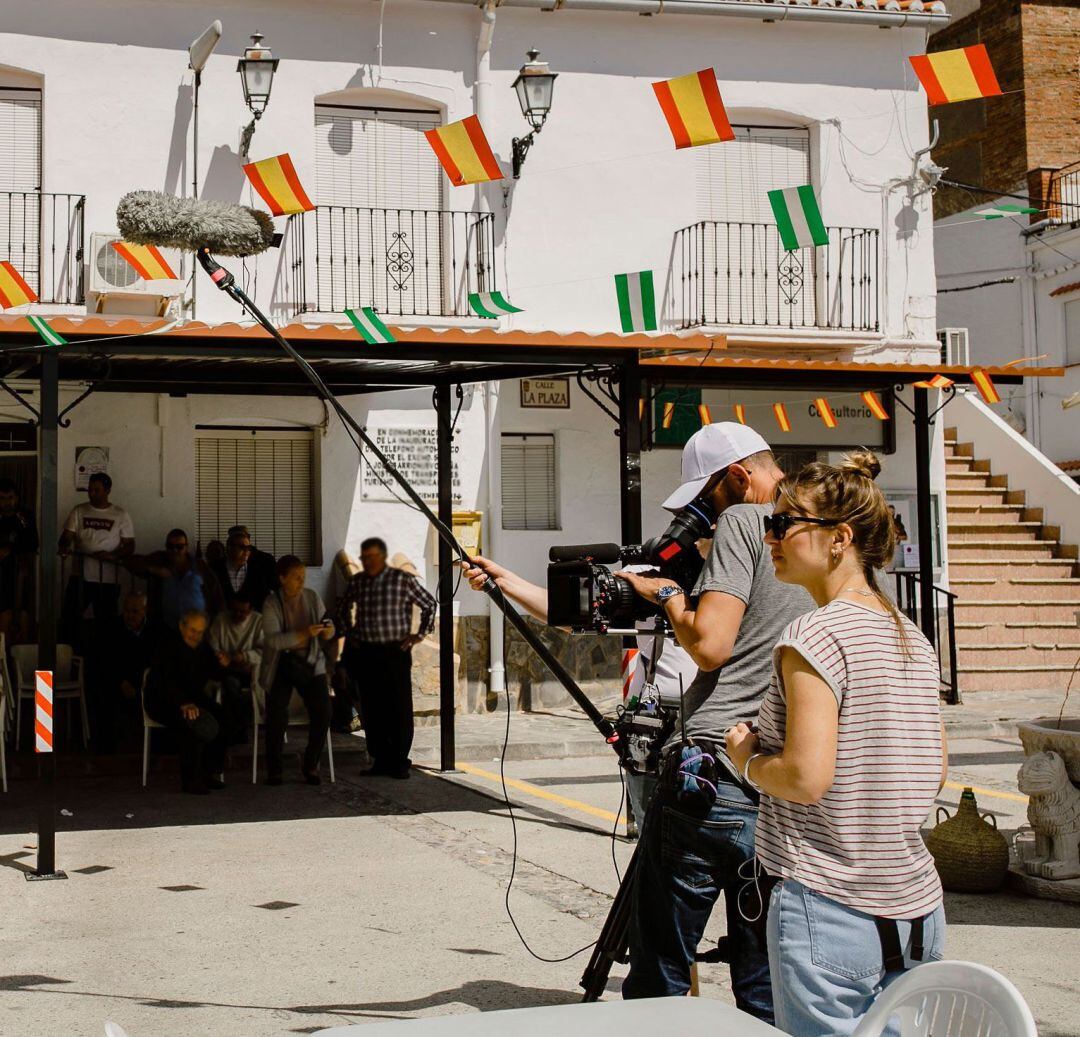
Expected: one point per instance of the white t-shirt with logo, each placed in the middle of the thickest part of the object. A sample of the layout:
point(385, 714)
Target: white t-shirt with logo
point(99, 529)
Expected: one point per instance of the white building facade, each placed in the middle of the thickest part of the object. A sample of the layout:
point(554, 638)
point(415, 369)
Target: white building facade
point(96, 100)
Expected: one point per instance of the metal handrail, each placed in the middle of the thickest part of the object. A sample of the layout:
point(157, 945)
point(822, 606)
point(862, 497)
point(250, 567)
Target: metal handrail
point(908, 601)
point(401, 262)
point(739, 274)
point(42, 234)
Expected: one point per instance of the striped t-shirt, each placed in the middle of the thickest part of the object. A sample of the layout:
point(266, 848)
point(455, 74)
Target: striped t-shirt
point(861, 843)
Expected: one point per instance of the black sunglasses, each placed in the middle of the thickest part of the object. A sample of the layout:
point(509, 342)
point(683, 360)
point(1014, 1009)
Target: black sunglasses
point(778, 525)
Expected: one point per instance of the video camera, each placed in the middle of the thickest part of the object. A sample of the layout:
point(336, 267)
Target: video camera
point(586, 596)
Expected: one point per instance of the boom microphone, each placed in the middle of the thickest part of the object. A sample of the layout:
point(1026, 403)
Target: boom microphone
point(189, 224)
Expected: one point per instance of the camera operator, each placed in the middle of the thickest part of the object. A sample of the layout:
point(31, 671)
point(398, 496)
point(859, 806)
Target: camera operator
point(698, 837)
point(673, 670)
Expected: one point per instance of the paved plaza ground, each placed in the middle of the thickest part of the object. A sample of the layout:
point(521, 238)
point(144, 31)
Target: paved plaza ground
point(261, 912)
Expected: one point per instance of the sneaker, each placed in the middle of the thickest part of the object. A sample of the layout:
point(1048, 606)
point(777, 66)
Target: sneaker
point(311, 777)
point(355, 725)
point(215, 781)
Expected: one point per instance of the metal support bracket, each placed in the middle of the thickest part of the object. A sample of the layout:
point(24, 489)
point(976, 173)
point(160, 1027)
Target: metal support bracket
point(948, 392)
point(104, 364)
point(603, 378)
point(21, 402)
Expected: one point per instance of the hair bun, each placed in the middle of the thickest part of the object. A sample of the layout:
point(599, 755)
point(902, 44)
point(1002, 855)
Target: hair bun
point(861, 462)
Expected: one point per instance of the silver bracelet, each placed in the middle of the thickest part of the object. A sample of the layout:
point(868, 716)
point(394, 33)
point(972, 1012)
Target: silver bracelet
point(746, 771)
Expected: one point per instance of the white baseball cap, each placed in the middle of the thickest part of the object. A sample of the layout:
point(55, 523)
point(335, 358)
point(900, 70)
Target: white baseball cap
point(708, 451)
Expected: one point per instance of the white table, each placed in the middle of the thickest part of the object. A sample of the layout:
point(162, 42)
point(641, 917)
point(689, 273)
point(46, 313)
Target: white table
point(650, 1017)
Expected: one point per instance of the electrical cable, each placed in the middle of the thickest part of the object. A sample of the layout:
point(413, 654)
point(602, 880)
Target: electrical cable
point(992, 192)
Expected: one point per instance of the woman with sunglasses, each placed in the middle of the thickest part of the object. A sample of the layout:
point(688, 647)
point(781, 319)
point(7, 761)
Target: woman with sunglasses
point(849, 757)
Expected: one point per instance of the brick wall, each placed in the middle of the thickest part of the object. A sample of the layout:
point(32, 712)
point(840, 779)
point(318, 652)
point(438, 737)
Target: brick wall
point(1035, 49)
point(984, 141)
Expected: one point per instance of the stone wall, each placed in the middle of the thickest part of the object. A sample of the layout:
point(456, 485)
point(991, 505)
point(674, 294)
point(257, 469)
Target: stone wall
point(592, 660)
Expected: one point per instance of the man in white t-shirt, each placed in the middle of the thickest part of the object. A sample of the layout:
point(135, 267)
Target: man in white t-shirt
point(99, 535)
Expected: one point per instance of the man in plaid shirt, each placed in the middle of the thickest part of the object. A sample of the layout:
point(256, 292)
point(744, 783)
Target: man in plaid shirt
point(375, 615)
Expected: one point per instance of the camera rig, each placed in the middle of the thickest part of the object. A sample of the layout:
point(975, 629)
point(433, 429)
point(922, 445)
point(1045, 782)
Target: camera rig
point(586, 596)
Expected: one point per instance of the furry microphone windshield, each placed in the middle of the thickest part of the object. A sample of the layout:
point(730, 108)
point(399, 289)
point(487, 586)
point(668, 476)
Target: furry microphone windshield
point(154, 218)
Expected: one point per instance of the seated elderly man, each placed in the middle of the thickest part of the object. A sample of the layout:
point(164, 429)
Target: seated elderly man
point(179, 696)
point(236, 636)
point(122, 655)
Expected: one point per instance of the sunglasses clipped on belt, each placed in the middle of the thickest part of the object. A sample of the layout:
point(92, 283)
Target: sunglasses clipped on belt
point(778, 525)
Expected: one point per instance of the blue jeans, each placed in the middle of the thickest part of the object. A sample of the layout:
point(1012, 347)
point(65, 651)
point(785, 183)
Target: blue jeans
point(686, 860)
point(826, 961)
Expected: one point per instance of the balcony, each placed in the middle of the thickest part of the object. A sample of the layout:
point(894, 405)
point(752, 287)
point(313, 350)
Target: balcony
point(419, 263)
point(41, 235)
point(739, 275)
point(1065, 194)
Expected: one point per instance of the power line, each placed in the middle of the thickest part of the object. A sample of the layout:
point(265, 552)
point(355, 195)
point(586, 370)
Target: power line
point(981, 284)
point(1000, 194)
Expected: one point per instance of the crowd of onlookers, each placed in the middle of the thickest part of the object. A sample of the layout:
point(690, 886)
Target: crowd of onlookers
point(210, 644)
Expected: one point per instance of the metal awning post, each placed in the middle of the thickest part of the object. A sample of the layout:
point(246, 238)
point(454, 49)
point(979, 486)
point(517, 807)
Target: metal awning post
point(47, 556)
point(927, 615)
point(630, 450)
point(447, 677)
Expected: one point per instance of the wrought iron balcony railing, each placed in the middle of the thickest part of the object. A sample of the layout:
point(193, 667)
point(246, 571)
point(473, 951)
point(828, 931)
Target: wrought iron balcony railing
point(42, 236)
point(738, 274)
point(403, 262)
point(1065, 194)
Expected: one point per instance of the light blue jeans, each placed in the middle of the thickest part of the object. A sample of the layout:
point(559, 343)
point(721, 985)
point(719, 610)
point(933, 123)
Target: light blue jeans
point(826, 961)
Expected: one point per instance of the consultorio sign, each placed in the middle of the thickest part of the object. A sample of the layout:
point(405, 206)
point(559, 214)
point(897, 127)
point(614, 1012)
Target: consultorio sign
point(412, 450)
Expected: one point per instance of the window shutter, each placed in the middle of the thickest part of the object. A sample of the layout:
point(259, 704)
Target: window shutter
point(734, 179)
point(529, 482)
point(20, 182)
point(259, 478)
point(379, 221)
point(1072, 332)
point(743, 245)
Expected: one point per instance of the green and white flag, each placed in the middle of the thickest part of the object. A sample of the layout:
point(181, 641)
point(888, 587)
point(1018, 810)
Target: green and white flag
point(999, 212)
point(371, 329)
point(798, 217)
point(48, 336)
point(491, 304)
point(637, 301)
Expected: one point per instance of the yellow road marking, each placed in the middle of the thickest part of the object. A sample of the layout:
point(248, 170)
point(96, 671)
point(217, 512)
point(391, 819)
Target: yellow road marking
point(538, 793)
point(606, 815)
point(1014, 796)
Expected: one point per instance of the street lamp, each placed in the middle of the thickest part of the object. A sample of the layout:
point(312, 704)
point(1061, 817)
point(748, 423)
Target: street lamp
point(198, 55)
point(256, 68)
point(534, 87)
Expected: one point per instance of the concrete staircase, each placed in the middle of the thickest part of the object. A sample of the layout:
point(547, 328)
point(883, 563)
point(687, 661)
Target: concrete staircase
point(1018, 587)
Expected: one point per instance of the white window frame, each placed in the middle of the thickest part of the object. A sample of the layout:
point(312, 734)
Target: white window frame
point(546, 439)
point(257, 513)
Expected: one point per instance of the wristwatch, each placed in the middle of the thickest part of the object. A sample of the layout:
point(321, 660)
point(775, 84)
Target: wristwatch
point(666, 593)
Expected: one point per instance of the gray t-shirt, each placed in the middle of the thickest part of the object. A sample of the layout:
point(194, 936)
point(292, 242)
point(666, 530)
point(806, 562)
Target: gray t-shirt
point(740, 564)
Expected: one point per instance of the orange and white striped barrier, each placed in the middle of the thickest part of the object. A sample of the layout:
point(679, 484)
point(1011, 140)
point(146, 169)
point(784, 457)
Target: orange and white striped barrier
point(43, 711)
point(629, 662)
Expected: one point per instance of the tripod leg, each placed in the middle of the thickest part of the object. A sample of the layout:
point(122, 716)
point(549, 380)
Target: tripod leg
point(614, 939)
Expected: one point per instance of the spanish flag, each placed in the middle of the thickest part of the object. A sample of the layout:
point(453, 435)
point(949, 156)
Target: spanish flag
point(740, 413)
point(464, 153)
point(956, 75)
point(986, 387)
point(939, 381)
point(703, 413)
point(825, 412)
point(278, 185)
point(781, 417)
point(669, 414)
point(877, 408)
point(14, 291)
point(148, 262)
point(693, 109)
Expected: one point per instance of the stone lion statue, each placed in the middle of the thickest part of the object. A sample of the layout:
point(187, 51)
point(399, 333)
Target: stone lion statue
point(1054, 814)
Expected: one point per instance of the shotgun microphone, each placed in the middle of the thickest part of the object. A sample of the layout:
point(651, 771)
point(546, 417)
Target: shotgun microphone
point(190, 224)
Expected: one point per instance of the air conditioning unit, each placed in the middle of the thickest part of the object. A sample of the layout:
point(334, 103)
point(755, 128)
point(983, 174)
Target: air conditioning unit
point(954, 346)
point(120, 289)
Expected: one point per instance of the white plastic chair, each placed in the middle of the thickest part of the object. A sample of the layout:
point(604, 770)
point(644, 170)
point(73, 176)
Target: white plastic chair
point(258, 719)
point(149, 724)
point(67, 683)
point(950, 999)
